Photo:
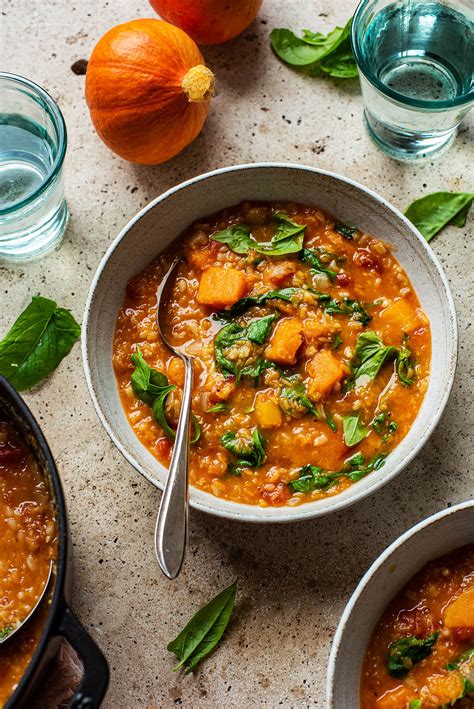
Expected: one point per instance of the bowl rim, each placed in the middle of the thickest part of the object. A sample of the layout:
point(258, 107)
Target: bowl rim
point(365, 581)
point(245, 512)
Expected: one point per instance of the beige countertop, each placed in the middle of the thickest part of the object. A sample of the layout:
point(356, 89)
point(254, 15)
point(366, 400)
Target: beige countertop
point(293, 580)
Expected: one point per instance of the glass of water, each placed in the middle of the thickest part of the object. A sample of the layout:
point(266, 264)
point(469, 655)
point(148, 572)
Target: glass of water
point(33, 210)
point(416, 62)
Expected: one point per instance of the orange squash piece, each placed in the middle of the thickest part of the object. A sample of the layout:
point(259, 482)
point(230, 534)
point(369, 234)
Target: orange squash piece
point(220, 287)
point(395, 699)
point(399, 315)
point(446, 688)
point(460, 613)
point(285, 341)
point(267, 412)
point(313, 329)
point(325, 372)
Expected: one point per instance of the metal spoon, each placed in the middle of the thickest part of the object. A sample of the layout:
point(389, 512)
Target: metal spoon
point(171, 530)
point(25, 620)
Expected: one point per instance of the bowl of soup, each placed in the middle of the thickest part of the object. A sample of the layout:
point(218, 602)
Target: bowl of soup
point(33, 536)
point(322, 330)
point(406, 638)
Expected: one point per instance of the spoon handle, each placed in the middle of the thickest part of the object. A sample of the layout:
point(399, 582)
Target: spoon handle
point(172, 523)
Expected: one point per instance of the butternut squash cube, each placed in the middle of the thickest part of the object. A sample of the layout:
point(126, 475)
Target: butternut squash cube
point(460, 613)
point(285, 341)
point(220, 287)
point(313, 329)
point(395, 699)
point(399, 316)
point(446, 688)
point(325, 372)
point(267, 412)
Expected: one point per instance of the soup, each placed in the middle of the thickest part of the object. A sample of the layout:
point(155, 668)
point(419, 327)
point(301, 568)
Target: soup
point(311, 353)
point(28, 543)
point(421, 653)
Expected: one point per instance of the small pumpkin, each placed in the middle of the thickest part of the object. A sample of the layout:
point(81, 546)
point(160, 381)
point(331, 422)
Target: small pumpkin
point(209, 21)
point(148, 90)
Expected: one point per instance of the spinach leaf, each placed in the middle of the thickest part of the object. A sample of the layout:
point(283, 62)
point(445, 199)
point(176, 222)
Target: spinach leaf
point(313, 49)
point(204, 630)
point(415, 704)
point(433, 212)
point(382, 425)
point(217, 408)
point(370, 356)
point(37, 342)
point(355, 467)
point(311, 478)
point(158, 409)
point(348, 306)
point(354, 430)
point(236, 237)
point(311, 257)
point(296, 392)
point(348, 232)
point(330, 422)
point(249, 454)
point(340, 63)
point(462, 658)
point(258, 330)
point(403, 654)
point(404, 363)
point(6, 630)
point(244, 304)
point(147, 382)
point(255, 369)
point(287, 239)
point(337, 341)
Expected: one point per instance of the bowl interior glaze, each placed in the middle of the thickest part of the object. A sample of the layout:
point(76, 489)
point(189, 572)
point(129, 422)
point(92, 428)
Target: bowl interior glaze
point(158, 224)
point(432, 538)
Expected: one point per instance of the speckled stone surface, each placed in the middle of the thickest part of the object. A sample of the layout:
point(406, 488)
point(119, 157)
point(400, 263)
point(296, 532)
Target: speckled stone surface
point(293, 580)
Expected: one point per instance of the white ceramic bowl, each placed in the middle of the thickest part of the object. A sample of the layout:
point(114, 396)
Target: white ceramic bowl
point(152, 229)
point(438, 535)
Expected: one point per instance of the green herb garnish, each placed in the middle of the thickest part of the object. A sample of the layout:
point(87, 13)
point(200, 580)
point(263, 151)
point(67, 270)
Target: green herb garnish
point(6, 630)
point(381, 425)
point(316, 52)
point(249, 454)
point(337, 341)
point(347, 306)
point(287, 239)
point(312, 258)
point(433, 212)
point(403, 654)
point(217, 408)
point(37, 342)
point(204, 630)
point(354, 430)
point(370, 356)
point(244, 304)
point(232, 334)
point(405, 363)
point(348, 232)
point(312, 477)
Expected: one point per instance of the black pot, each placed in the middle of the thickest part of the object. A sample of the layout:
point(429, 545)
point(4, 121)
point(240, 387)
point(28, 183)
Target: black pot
point(60, 622)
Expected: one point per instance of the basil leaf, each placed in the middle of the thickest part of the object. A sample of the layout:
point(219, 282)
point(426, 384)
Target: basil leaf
point(415, 704)
point(331, 423)
point(348, 306)
point(225, 338)
point(297, 393)
point(404, 364)
point(433, 212)
point(370, 356)
point(258, 330)
point(204, 630)
point(355, 468)
point(244, 304)
point(236, 237)
point(37, 342)
point(340, 63)
point(249, 454)
point(403, 654)
point(348, 232)
point(337, 341)
point(217, 408)
point(309, 49)
point(311, 257)
point(255, 370)
point(354, 430)
point(147, 382)
point(311, 478)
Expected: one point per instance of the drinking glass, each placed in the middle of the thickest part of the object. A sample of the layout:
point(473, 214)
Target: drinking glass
point(416, 61)
point(33, 210)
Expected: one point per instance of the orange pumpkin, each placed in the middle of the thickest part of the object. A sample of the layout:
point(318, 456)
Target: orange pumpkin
point(148, 90)
point(209, 21)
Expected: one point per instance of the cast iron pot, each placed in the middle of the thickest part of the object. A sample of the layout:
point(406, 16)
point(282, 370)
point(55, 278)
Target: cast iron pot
point(60, 622)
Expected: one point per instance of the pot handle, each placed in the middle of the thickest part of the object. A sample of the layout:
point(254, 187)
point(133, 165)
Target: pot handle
point(95, 681)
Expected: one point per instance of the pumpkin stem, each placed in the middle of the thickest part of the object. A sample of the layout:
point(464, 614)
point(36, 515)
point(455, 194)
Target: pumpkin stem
point(198, 84)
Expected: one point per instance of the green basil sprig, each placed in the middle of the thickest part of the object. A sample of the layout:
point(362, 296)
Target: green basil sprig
point(354, 430)
point(249, 454)
point(204, 630)
point(433, 212)
point(37, 342)
point(316, 52)
point(287, 239)
point(403, 654)
point(153, 388)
